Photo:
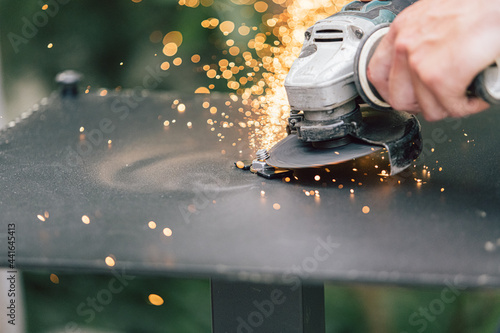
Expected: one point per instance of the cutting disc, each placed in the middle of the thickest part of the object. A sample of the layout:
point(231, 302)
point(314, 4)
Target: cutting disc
point(398, 132)
point(291, 153)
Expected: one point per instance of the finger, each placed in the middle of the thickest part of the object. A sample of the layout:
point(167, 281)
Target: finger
point(380, 65)
point(428, 104)
point(461, 106)
point(401, 92)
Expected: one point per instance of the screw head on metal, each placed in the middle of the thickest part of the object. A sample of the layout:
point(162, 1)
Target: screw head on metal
point(68, 80)
point(359, 33)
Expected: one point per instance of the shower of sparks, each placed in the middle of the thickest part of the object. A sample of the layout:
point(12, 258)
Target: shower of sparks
point(255, 59)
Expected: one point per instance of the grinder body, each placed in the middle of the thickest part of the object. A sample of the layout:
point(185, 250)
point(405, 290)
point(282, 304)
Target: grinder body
point(321, 86)
point(327, 83)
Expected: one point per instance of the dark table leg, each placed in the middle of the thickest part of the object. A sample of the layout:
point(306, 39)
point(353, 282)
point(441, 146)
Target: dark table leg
point(243, 307)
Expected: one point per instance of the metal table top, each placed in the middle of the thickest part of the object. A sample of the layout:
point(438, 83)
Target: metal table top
point(77, 198)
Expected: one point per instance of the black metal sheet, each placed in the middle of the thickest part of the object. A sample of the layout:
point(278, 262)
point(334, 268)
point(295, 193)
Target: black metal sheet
point(226, 222)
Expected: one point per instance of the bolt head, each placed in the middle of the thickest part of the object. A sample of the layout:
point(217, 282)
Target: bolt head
point(68, 77)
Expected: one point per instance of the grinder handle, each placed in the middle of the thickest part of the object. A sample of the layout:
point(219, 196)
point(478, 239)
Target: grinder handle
point(486, 85)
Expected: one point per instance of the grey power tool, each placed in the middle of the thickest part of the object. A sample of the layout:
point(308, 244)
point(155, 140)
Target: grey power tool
point(327, 84)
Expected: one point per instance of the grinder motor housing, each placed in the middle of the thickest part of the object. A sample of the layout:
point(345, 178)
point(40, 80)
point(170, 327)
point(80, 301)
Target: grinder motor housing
point(321, 86)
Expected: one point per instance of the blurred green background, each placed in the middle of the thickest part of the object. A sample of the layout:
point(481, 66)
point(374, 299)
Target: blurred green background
point(112, 43)
point(186, 307)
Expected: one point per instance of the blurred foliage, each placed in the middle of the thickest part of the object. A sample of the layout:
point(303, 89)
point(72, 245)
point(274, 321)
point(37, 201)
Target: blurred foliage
point(186, 307)
point(50, 307)
point(95, 37)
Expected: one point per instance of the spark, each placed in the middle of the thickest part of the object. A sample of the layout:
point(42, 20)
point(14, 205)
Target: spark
point(167, 232)
point(85, 219)
point(54, 279)
point(155, 299)
point(165, 65)
point(109, 261)
point(177, 61)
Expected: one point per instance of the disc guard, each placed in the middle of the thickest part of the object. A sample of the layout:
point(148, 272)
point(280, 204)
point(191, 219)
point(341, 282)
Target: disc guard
point(398, 132)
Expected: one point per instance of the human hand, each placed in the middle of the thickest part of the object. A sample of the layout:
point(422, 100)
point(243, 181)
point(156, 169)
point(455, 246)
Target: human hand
point(431, 54)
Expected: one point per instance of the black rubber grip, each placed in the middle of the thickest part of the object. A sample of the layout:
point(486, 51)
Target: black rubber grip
point(481, 87)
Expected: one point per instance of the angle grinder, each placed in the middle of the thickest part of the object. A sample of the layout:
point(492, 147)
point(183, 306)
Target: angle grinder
point(327, 83)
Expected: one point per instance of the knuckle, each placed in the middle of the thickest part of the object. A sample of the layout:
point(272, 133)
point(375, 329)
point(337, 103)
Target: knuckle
point(402, 46)
point(414, 63)
point(428, 75)
point(431, 79)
